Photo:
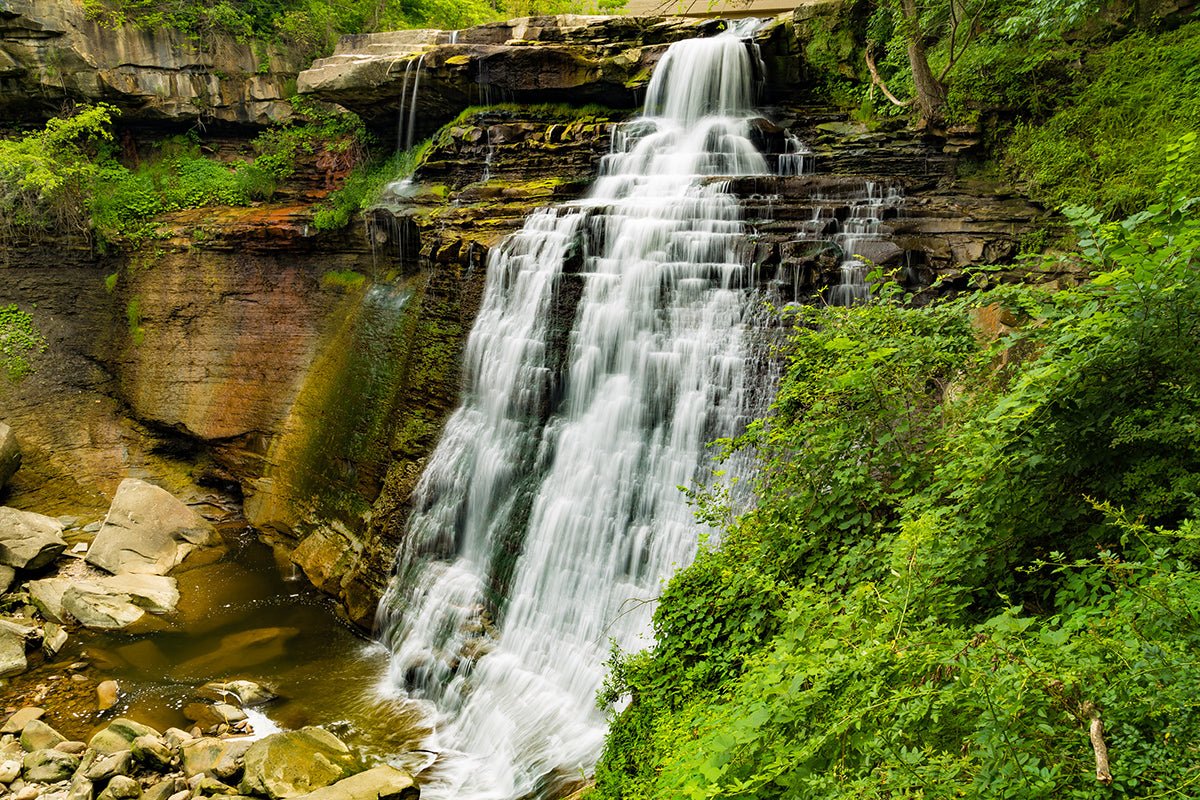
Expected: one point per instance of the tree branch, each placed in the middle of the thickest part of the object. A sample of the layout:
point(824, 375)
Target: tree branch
point(1096, 734)
point(878, 81)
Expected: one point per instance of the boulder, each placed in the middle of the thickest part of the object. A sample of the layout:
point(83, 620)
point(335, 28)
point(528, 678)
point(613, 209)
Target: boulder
point(49, 766)
point(107, 694)
point(107, 766)
point(118, 601)
point(10, 770)
point(379, 783)
point(7, 574)
point(12, 652)
point(80, 789)
point(46, 595)
point(37, 735)
point(148, 530)
point(296, 762)
point(54, 638)
point(100, 610)
point(29, 541)
point(152, 753)
point(119, 735)
point(22, 717)
point(121, 787)
point(10, 454)
point(247, 693)
point(218, 758)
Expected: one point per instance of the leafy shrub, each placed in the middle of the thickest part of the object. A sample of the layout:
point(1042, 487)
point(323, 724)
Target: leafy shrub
point(964, 552)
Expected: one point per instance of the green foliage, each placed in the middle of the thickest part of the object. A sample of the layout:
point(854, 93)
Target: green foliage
point(364, 186)
point(343, 279)
point(338, 138)
point(46, 177)
point(964, 548)
point(68, 177)
point(20, 340)
point(1110, 140)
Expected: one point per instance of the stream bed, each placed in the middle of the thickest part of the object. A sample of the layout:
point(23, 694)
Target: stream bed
point(244, 615)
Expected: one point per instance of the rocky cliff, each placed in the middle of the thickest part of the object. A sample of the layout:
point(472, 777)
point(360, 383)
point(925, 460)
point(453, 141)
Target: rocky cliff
point(245, 358)
point(52, 52)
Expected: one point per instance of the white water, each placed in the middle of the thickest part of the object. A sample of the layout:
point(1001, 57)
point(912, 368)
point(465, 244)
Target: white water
point(864, 223)
point(406, 126)
point(550, 512)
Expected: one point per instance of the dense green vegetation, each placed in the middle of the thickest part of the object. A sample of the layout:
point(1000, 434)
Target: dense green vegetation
point(19, 341)
point(69, 176)
point(311, 27)
point(970, 541)
point(1078, 100)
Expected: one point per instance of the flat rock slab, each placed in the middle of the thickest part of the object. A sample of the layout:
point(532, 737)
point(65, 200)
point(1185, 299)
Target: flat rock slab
point(22, 717)
point(380, 783)
point(29, 541)
point(148, 530)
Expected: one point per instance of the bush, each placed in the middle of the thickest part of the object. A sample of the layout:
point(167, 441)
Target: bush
point(964, 551)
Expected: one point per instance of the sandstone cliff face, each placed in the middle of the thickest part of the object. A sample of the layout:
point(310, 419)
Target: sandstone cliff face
point(51, 52)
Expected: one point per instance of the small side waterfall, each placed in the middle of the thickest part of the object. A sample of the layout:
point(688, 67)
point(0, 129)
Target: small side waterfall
point(407, 124)
point(609, 350)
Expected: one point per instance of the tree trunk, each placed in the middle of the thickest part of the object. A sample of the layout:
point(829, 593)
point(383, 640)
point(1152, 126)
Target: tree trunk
point(930, 93)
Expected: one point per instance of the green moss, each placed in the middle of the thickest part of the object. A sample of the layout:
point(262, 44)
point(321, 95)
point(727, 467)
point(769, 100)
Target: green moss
point(343, 279)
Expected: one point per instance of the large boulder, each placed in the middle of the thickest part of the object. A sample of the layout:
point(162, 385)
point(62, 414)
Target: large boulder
point(148, 530)
point(28, 540)
point(49, 766)
point(216, 758)
point(380, 783)
point(296, 762)
point(10, 454)
point(119, 735)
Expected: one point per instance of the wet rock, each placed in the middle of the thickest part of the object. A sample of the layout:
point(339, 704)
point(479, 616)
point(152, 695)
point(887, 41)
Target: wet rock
point(210, 715)
point(121, 787)
point(29, 541)
point(37, 735)
point(10, 454)
point(12, 651)
point(152, 753)
point(105, 767)
point(247, 693)
point(107, 693)
point(296, 762)
point(119, 735)
point(49, 766)
point(22, 717)
point(148, 530)
point(380, 783)
point(219, 758)
point(54, 639)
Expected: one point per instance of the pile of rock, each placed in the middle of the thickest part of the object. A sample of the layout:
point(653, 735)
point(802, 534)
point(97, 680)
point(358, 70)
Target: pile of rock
point(119, 584)
point(128, 760)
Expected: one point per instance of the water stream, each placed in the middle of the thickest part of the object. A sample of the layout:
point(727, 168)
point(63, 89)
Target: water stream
point(609, 350)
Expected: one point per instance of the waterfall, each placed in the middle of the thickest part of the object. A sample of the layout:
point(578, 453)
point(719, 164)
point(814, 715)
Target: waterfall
point(406, 126)
point(863, 223)
point(609, 349)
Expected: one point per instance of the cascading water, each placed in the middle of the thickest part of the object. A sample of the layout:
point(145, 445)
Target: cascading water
point(863, 223)
point(550, 511)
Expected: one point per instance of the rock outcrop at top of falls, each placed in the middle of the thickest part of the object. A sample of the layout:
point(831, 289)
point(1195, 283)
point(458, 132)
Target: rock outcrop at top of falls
point(571, 59)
